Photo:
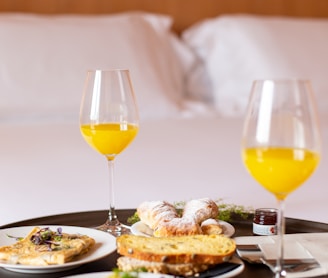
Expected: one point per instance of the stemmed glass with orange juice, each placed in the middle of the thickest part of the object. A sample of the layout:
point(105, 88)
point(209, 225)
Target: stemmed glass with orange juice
point(281, 143)
point(109, 122)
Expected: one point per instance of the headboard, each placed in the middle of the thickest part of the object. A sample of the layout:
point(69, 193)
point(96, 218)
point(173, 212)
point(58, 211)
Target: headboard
point(184, 12)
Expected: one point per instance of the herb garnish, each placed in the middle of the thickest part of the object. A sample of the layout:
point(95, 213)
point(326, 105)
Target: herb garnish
point(125, 274)
point(15, 237)
point(47, 237)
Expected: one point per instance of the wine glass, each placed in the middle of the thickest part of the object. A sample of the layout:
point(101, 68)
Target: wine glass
point(281, 142)
point(109, 122)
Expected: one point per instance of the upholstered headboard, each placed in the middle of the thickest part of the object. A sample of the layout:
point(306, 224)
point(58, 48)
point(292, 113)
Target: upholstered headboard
point(184, 12)
point(207, 62)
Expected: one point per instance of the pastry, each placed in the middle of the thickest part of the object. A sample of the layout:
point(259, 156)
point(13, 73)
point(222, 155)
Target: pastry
point(164, 220)
point(155, 212)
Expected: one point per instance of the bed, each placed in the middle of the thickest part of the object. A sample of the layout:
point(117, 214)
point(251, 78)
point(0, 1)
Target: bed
point(192, 64)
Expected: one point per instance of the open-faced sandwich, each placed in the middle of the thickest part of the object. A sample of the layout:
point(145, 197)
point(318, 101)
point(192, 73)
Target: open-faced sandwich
point(43, 246)
point(177, 255)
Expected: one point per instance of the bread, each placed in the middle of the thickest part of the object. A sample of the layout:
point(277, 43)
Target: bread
point(63, 249)
point(164, 220)
point(189, 269)
point(197, 249)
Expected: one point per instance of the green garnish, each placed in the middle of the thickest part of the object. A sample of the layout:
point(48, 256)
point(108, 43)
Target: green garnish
point(226, 211)
point(133, 218)
point(48, 238)
point(125, 274)
point(15, 237)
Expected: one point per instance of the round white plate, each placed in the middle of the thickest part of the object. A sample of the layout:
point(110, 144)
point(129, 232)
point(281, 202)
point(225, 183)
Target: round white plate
point(105, 244)
point(141, 229)
point(107, 274)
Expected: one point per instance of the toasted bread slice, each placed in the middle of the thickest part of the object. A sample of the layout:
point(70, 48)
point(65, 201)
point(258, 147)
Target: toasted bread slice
point(130, 264)
point(64, 248)
point(196, 249)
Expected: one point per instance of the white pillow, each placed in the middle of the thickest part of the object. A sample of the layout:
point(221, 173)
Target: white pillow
point(44, 59)
point(238, 49)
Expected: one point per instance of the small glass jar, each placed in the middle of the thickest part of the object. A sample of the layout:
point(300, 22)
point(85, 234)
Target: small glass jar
point(265, 222)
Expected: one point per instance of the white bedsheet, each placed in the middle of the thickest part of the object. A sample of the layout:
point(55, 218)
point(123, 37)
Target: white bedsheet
point(48, 169)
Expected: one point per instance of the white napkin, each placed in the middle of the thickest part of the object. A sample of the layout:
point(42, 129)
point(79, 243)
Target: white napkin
point(297, 246)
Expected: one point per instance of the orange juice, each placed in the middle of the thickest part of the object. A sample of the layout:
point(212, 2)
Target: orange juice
point(109, 139)
point(280, 170)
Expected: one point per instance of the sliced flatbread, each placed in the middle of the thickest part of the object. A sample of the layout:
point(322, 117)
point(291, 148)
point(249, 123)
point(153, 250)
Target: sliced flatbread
point(59, 248)
point(188, 269)
point(196, 249)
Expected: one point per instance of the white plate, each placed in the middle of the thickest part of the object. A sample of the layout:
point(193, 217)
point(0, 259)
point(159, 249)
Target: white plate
point(141, 229)
point(105, 244)
point(106, 274)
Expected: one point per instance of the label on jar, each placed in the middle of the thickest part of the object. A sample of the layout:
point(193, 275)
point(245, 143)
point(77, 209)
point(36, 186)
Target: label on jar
point(264, 230)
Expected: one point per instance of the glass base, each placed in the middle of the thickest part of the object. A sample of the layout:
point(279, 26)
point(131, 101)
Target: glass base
point(280, 274)
point(115, 228)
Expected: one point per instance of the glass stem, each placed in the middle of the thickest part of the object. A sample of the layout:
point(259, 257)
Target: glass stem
point(279, 269)
point(112, 217)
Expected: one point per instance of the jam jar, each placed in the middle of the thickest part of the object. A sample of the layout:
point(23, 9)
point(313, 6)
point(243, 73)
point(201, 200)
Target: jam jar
point(265, 221)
